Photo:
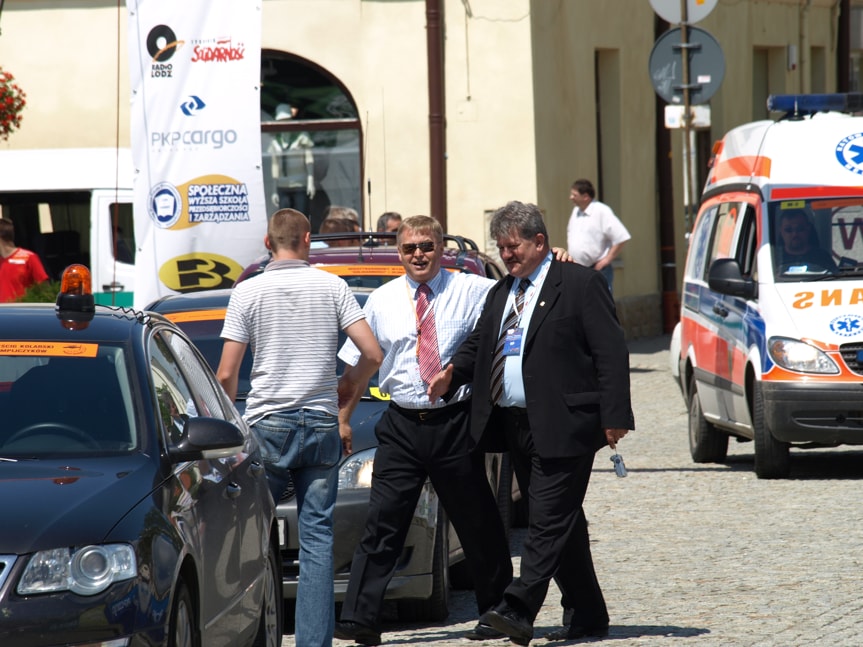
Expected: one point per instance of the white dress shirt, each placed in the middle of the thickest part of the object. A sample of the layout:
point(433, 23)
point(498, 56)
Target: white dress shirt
point(592, 232)
point(513, 382)
point(457, 299)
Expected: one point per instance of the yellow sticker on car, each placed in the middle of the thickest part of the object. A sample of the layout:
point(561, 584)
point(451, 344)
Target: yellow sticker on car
point(792, 204)
point(47, 349)
point(215, 314)
point(368, 270)
point(363, 270)
point(378, 394)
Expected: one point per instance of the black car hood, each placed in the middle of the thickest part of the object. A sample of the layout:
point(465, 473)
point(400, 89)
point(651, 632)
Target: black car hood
point(68, 501)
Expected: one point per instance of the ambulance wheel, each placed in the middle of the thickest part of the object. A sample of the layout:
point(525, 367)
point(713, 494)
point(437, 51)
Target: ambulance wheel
point(772, 457)
point(706, 443)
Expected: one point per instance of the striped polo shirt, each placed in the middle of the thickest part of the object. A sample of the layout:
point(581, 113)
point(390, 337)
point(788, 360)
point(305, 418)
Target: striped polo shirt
point(291, 315)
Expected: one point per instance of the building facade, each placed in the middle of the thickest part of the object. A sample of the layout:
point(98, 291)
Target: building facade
point(454, 107)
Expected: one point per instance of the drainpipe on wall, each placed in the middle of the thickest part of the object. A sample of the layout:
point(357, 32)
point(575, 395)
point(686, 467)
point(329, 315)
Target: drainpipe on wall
point(843, 47)
point(805, 74)
point(437, 111)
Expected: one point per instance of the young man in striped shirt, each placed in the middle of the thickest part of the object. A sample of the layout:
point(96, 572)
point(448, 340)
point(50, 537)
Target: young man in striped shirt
point(291, 315)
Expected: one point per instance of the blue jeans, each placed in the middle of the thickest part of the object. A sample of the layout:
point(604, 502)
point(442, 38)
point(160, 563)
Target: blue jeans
point(304, 445)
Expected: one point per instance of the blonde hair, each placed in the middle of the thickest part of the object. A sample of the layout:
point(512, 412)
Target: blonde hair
point(422, 225)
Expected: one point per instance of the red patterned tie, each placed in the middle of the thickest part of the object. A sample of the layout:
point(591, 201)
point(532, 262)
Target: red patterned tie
point(428, 354)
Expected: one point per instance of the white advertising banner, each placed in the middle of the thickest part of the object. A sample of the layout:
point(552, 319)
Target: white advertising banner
point(199, 206)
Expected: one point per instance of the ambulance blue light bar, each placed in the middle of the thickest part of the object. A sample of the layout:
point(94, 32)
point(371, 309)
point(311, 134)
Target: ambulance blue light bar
point(807, 104)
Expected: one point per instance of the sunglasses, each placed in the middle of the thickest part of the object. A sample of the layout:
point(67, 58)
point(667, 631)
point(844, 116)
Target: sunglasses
point(409, 248)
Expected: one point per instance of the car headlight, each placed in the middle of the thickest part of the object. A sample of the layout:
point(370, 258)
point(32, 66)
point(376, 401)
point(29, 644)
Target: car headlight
point(356, 472)
point(799, 356)
point(85, 571)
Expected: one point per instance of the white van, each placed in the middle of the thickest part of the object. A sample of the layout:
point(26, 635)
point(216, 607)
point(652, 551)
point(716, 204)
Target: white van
point(769, 347)
point(74, 205)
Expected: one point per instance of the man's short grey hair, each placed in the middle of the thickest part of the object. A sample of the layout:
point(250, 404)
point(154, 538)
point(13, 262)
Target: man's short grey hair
point(524, 219)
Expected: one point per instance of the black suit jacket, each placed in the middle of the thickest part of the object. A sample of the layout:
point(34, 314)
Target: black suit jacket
point(575, 364)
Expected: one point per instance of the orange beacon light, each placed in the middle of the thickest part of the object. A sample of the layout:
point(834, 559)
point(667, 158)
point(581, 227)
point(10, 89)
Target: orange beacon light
point(75, 305)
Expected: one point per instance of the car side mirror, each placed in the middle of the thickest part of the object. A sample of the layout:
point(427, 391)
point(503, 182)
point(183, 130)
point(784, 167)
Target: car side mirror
point(725, 277)
point(208, 438)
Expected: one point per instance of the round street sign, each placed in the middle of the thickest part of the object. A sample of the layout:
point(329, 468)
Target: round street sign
point(671, 11)
point(706, 66)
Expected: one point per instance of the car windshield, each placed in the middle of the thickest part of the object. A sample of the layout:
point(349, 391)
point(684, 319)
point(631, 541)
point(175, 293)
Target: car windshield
point(205, 334)
point(54, 403)
point(817, 239)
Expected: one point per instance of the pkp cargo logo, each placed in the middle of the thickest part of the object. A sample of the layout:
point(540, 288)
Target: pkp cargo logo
point(164, 205)
point(192, 106)
point(847, 325)
point(195, 139)
point(162, 44)
point(849, 152)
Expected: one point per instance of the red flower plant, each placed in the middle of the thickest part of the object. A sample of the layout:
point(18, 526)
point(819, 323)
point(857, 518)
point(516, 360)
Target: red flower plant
point(12, 102)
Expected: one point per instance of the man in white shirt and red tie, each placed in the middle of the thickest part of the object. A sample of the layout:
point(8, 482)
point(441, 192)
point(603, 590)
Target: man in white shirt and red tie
point(419, 320)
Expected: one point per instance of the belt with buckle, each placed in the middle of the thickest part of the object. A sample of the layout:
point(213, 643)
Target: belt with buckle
point(431, 415)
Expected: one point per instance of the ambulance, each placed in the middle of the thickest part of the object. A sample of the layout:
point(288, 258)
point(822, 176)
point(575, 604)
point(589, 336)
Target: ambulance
point(769, 347)
point(74, 205)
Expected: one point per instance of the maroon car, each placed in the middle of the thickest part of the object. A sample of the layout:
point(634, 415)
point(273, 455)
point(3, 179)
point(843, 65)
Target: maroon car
point(370, 259)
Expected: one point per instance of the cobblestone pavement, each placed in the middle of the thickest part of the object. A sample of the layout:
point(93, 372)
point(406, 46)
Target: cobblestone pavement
point(704, 555)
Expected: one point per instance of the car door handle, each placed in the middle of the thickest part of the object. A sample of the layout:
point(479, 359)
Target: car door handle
point(112, 287)
point(233, 490)
point(256, 468)
point(721, 310)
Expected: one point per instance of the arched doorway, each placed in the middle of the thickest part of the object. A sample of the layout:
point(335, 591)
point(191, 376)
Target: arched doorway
point(310, 135)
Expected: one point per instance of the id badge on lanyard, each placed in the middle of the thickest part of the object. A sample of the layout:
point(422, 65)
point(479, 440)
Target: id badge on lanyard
point(512, 342)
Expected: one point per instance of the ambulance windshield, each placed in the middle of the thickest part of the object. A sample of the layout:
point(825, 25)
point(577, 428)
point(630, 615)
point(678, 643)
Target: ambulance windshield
point(817, 239)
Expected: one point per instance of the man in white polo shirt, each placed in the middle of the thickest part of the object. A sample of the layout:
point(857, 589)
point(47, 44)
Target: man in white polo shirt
point(594, 235)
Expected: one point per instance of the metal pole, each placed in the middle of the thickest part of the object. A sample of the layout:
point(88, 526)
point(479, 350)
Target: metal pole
point(437, 111)
point(668, 260)
point(688, 193)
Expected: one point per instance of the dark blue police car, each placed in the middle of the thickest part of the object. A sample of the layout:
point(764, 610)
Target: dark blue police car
point(134, 500)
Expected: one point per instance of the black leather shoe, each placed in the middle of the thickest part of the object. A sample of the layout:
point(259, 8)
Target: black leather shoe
point(576, 632)
point(511, 622)
point(360, 634)
point(483, 632)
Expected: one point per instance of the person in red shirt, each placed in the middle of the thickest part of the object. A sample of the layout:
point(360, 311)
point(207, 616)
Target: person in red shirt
point(19, 268)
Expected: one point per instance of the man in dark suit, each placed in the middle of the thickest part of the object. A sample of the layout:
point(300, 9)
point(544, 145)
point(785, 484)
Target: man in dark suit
point(550, 373)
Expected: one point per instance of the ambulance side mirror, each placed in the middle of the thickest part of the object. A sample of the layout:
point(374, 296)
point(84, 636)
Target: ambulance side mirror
point(725, 277)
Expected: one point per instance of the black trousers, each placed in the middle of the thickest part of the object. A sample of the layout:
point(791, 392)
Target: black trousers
point(557, 544)
point(409, 451)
